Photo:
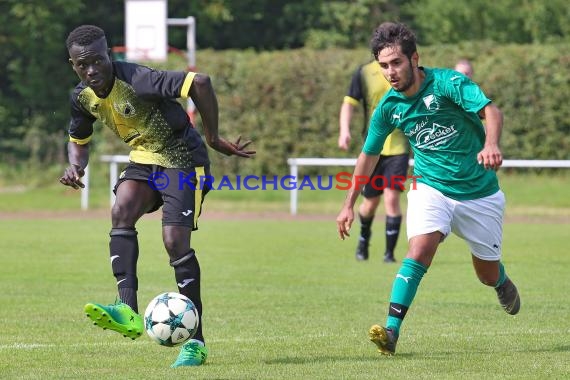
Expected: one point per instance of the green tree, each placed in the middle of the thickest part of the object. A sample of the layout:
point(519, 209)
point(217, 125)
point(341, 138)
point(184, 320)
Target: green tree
point(349, 23)
point(257, 24)
point(34, 83)
point(36, 79)
point(546, 20)
point(505, 21)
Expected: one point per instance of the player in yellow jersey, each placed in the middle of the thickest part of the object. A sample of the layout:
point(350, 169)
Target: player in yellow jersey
point(367, 87)
point(168, 157)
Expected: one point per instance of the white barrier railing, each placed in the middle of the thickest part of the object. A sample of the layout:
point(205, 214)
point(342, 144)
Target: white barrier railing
point(294, 163)
point(114, 161)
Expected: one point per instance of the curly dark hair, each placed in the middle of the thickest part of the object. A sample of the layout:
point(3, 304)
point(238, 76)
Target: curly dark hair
point(84, 35)
point(390, 34)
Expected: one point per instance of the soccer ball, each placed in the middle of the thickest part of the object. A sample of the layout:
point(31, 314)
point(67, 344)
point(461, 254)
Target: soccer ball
point(171, 319)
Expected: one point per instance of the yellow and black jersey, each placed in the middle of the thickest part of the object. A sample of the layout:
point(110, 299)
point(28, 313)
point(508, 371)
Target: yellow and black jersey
point(368, 86)
point(142, 109)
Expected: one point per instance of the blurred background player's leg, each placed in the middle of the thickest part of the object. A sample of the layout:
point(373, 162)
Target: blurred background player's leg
point(366, 213)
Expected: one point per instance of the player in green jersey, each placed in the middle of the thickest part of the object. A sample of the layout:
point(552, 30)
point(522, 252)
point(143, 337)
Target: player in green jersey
point(440, 112)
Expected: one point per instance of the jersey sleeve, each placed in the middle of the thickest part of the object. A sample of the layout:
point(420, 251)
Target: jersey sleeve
point(378, 130)
point(465, 93)
point(151, 83)
point(81, 122)
point(354, 94)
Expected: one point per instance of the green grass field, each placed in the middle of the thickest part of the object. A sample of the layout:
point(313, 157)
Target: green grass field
point(284, 299)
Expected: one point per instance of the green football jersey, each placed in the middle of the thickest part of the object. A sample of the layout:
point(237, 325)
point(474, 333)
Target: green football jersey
point(445, 133)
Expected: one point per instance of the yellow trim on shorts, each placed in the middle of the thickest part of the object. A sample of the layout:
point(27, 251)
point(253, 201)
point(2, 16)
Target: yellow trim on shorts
point(198, 194)
point(80, 141)
point(185, 90)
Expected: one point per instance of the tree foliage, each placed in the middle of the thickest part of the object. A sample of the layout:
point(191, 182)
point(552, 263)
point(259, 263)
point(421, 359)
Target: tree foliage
point(505, 21)
point(292, 110)
point(35, 77)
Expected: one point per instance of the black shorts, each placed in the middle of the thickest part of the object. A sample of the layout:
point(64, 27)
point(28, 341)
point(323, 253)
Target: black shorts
point(180, 192)
point(390, 172)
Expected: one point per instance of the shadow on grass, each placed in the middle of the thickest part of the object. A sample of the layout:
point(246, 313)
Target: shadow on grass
point(339, 358)
point(409, 355)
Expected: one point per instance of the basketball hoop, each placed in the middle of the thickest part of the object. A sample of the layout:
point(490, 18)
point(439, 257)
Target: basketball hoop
point(120, 53)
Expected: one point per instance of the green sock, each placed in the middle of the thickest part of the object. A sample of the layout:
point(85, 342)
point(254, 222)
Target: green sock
point(502, 275)
point(404, 290)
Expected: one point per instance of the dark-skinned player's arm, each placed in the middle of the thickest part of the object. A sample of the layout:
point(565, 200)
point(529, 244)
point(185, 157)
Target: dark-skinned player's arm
point(491, 157)
point(78, 160)
point(203, 95)
point(364, 166)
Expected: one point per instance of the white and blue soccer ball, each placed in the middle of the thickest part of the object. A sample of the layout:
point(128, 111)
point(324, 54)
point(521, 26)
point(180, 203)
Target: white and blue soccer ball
point(171, 319)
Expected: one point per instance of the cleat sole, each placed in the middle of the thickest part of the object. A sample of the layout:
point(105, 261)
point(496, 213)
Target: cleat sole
point(103, 320)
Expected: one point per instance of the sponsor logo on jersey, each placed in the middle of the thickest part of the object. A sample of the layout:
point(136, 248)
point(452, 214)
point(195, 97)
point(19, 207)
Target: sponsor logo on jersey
point(438, 134)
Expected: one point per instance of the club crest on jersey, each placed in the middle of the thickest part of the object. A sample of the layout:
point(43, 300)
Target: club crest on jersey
point(125, 109)
point(431, 102)
point(94, 108)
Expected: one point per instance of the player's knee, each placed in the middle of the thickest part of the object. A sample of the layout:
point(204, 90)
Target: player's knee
point(392, 197)
point(123, 215)
point(174, 246)
point(369, 206)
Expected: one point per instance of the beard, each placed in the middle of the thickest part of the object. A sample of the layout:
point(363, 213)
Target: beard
point(407, 80)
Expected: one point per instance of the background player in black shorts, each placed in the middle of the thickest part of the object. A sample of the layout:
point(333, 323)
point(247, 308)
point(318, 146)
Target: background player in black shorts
point(140, 106)
point(367, 86)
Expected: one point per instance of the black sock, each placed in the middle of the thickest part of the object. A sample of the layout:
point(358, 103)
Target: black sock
point(365, 226)
point(187, 274)
point(129, 296)
point(124, 252)
point(392, 232)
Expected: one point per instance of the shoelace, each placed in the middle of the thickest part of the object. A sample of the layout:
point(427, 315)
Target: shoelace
point(502, 290)
point(193, 349)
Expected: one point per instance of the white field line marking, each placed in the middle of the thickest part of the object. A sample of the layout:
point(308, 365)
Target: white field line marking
point(35, 346)
point(253, 339)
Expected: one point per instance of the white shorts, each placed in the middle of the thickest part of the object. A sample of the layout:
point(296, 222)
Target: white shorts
point(479, 221)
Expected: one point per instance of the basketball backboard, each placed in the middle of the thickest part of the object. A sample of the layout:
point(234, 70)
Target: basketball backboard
point(146, 30)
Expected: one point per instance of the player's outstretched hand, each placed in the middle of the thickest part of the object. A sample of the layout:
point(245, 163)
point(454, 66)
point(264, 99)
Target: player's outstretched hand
point(235, 149)
point(344, 221)
point(72, 177)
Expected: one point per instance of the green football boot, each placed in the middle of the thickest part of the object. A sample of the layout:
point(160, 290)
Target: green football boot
point(192, 353)
point(118, 317)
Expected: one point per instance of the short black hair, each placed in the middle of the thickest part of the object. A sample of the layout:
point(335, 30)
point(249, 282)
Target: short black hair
point(390, 34)
point(84, 35)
